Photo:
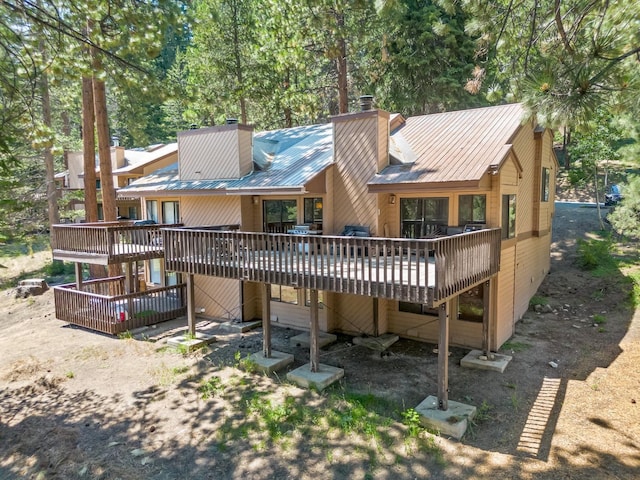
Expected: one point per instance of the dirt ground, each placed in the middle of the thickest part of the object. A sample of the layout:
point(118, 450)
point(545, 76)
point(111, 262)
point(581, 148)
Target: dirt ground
point(76, 404)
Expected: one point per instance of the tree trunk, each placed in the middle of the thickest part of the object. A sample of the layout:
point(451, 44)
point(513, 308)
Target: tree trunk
point(89, 152)
point(52, 191)
point(109, 209)
point(341, 67)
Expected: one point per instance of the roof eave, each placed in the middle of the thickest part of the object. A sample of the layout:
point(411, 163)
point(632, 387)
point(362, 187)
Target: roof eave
point(412, 187)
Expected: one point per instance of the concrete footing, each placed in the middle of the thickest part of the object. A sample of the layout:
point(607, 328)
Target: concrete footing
point(325, 376)
point(241, 327)
point(277, 361)
point(379, 344)
point(452, 422)
point(496, 362)
point(303, 340)
point(190, 344)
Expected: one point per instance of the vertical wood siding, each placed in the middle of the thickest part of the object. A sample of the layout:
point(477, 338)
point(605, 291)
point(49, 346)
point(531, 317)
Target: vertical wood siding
point(220, 297)
point(356, 162)
point(214, 153)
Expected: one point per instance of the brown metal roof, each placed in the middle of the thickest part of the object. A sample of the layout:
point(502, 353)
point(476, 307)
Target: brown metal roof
point(458, 147)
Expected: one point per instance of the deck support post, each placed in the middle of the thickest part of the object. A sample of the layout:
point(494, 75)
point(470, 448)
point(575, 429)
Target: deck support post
point(314, 333)
point(78, 266)
point(486, 318)
point(191, 305)
point(376, 317)
point(266, 320)
point(128, 278)
point(443, 356)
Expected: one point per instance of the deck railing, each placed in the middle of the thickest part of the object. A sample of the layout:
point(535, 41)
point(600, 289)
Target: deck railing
point(421, 271)
point(102, 305)
point(113, 242)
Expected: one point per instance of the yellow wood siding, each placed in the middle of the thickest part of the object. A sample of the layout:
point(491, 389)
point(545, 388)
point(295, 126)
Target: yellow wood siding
point(220, 210)
point(357, 159)
point(220, 297)
point(504, 283)
point(297, 316)
point(214, 153)
point(426, 328)
point(353, 314)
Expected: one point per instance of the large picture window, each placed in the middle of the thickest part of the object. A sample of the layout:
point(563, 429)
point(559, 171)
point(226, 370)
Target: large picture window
point(472, 209)
point(423, 217)
point(508, 216)
point(279, 215)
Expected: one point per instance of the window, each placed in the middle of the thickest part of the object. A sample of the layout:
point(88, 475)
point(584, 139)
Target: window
point(508, 216)
point(279, 215)
point(284, 294)
point(544, 194)
point(133, 213)
point(152, 210)
point(472, 209)
point(423, 217)
point(313, 211)
point(418, 308)
point(170, 212)
point(471, 304)
point(155, 271)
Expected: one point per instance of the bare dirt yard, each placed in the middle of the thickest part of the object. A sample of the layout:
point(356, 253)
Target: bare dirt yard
point(77, 404)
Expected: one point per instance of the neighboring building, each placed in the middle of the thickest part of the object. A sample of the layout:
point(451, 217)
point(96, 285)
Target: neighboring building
point(427, 177)
point(127, 166)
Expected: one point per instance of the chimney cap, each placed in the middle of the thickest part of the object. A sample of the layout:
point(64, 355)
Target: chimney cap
point(232, 121)
point(193, 126)
point(366, 102)
point(116, 140)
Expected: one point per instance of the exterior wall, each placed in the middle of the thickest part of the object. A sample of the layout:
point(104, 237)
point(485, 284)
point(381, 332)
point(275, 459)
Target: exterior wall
point(215, 153)
point(221, 298)
point(357, 157)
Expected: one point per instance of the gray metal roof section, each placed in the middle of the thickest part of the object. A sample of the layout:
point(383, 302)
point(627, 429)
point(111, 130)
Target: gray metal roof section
point(459, 146)
point(284, 160)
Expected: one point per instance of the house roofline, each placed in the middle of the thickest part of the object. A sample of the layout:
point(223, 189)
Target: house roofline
point(420, 187)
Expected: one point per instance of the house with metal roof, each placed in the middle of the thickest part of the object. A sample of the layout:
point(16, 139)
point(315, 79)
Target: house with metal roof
point(434, 228)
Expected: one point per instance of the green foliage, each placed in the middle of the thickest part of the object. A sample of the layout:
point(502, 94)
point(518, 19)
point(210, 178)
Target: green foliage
point(211, 388)
point(427, 58)
point(515, 346)
point(411, 418)
point(625, 218)
point(564, 66)
point(595, 253)
point(538, 300)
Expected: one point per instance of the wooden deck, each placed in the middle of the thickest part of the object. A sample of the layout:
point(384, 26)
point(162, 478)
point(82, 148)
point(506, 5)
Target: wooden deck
point(107, 243)
point(102, 305)
point(427, 271)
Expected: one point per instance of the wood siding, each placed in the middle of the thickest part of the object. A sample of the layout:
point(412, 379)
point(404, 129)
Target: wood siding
point(215, 153)
point(221, 298)
point(357, 159)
